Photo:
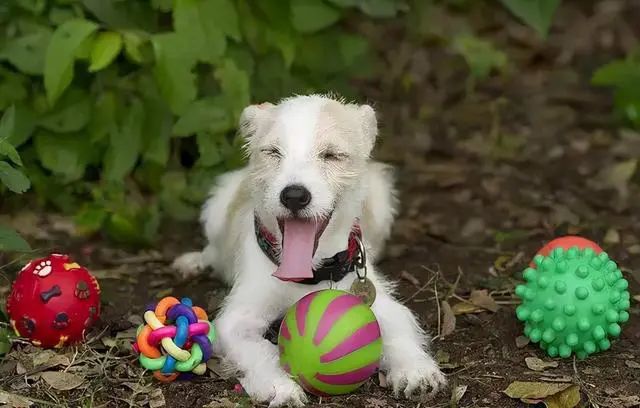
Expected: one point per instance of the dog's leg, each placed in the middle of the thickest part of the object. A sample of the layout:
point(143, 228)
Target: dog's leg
point(409, 366)
point(241, 326)
point(217, 212)
point(193, 263)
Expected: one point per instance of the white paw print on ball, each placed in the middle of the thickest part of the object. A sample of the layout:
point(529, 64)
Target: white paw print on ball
point(43, 268)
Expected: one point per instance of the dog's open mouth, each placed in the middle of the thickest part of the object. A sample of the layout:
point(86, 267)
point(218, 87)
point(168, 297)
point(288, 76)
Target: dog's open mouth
point(300, 238)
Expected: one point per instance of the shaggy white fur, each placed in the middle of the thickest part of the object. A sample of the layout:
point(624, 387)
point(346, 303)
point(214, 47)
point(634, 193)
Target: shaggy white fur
point(324, 145)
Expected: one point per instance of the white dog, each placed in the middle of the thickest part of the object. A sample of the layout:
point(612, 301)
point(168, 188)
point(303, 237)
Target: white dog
point(309, 188)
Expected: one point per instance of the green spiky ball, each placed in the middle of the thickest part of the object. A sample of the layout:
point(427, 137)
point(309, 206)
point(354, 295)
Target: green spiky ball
point(574, 301)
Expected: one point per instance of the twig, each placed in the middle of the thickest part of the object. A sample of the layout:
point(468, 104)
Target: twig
point(435, 289)
point(135, 259)
point(421, 288)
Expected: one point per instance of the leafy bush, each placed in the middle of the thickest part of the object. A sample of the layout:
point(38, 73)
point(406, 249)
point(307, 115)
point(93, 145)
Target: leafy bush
point(125, 109)
point(624, 77)
point(13, 179)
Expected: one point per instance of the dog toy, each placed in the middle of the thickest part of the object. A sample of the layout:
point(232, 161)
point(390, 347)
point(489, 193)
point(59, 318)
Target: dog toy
point(176, 341)
point(330, 342)
point(53, 301)
point(574, 299)
point(565, 243)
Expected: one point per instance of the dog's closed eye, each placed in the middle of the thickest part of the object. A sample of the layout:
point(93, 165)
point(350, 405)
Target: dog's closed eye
point(333, 155)
point(272, 151)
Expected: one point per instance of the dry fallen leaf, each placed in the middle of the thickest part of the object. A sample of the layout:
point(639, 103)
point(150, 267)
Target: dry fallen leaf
point(220, 403)
point(534, 390)
point(457, 393)
point(14, 401)
point(50, 359)
point(536, 364)
point(632, 364)
point(62, 381)
point(522, 341)
point(482, 299)
point(568, 398)
point(461, 308)
point(375, 403)
point(625, 402)
point(156, 399)
point(612, 236)
point(448, 319)
point(617, 176)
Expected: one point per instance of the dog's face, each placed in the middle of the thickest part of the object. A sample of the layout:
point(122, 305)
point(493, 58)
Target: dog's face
point(304, 154)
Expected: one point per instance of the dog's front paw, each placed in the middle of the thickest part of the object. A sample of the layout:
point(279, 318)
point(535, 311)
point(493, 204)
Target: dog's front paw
point(417, 379)
point(189, 264)
point(288, 394)
point(281, 392)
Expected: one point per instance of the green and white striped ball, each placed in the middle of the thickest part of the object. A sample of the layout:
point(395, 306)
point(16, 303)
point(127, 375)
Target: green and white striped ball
point(330, 342)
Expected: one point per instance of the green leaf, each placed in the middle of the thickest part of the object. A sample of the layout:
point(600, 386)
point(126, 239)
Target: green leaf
point(162, 5)
point(60, 15)
point(13, 179)
point(126, 143)
point(352, 48)
point(617, 73)
point(538, 14)
point(13, 88)
point(106, 48)
point(11, 241)
point(156, 133)
point(66, 155)
point(90, 218)
point(27, 53)
point(481, 56)
point(34, 6)
point(225, 16)
point(5, 343)
point(197, 23)
point(235, 87)
point(134, 45)
point(7, 123)
point(58, 70)
point(174, 185)
point(346, 3)
point(6, 149)
point(103, 118)
point(208, 114)
point(24, 124)
point(309, 16)
point(70, 114)
point(118, 14)
point(209, 149)
point(173, 71)
point(379, 8)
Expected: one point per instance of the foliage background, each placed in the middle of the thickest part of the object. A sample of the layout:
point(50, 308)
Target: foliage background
point(122, 111)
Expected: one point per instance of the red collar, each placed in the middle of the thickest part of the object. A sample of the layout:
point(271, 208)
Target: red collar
point(331, 269)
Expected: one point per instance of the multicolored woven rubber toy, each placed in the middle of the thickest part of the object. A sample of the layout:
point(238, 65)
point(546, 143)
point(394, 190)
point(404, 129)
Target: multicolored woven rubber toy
point(575, 299)
point(177, 340)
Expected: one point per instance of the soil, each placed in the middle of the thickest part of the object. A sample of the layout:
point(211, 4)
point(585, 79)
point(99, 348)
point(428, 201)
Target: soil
point(486, 175)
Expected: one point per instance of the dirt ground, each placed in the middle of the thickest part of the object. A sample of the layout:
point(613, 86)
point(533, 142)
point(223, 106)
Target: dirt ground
point(485, 177)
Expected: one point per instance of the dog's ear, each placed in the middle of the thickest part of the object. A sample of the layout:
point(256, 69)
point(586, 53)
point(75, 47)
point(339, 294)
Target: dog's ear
point(253, 118)
point(369, 125)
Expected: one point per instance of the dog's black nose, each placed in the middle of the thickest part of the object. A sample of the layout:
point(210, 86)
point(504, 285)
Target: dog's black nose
point(295, 197)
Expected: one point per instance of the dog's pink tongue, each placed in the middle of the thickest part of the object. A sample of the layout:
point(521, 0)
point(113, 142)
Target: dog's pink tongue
point(296, 259)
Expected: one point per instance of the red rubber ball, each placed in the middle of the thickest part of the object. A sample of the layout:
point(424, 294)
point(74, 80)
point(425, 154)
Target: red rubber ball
point(566, 243)
point(53, 301)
